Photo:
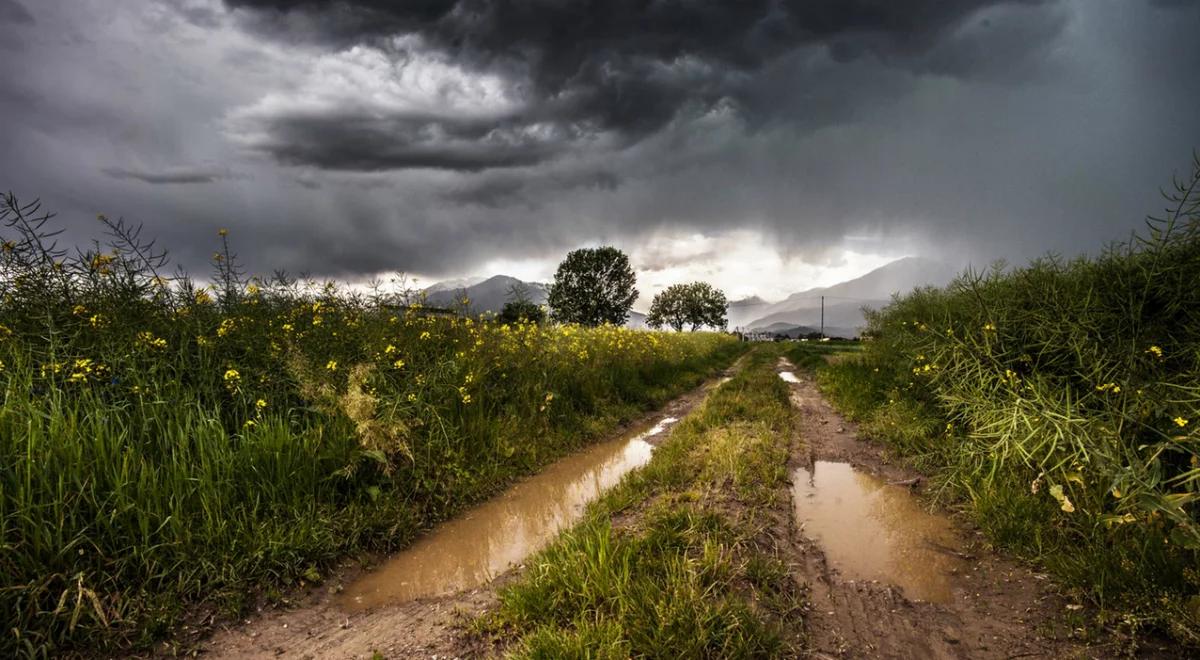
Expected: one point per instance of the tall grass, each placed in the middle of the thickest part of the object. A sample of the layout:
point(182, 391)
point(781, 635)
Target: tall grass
point(166, 445)
point(1062, 399)
point(686, 574)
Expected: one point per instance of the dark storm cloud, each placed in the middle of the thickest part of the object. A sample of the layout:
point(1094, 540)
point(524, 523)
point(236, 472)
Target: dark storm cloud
point(169, 175)
point(586, 70)
point(348, 138)
point(12, 11)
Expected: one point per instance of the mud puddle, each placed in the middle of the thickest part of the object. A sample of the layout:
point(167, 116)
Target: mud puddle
point(483, 543)
point(872, 530)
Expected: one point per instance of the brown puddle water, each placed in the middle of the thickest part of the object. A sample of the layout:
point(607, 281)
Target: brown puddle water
point(871, 530)
point(470, 550)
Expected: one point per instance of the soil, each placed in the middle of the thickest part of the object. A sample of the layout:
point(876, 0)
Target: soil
point(316, 626)
point(999, 608)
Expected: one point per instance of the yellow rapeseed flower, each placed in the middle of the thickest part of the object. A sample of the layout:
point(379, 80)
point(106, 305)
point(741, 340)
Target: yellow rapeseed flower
point(232, 376)
point(1155, 351)
point(399, 364)
point(331, 365)
point(288, 327)
point(1180, 422)
point(260, 404)
point(389, 350)
point(425, 335)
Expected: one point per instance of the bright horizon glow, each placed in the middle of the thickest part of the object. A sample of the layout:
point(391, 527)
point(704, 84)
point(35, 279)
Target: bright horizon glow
point(742, 263)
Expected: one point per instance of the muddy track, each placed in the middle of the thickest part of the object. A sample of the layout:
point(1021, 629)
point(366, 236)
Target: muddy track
point(996, 608)
point(319, 626)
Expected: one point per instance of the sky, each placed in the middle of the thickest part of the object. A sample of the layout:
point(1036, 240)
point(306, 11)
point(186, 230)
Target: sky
point(766, 146)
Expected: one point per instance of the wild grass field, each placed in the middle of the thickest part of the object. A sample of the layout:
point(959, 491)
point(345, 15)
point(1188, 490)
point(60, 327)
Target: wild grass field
point(1062, 402)
point(167, 446)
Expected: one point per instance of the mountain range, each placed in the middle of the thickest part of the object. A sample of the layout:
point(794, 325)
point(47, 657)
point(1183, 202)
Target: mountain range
point(799, 313)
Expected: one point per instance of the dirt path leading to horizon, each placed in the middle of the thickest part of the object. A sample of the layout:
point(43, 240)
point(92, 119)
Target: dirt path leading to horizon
point(986, 606)
point(321, 625)
point(948, 595)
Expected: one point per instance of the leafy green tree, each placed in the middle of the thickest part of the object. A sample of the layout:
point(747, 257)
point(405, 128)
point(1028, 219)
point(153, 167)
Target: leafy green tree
point(520, 308)
point(696, 304)
point(593, 286)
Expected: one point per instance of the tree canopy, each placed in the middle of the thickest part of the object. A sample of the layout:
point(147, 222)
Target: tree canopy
point(593, 286)
point(696, 305)
point(520, 308)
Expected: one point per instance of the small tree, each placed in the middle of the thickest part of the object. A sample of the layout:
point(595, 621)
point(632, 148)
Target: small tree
point(520, 308)
point(697, 304)
point(593, 286)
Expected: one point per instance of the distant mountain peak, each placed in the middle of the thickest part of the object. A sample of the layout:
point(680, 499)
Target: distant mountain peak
point(748, 302)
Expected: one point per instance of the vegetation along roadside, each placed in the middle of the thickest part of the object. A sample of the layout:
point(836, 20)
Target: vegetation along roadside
point(1061, 401)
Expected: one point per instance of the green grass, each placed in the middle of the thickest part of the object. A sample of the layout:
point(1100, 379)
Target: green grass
point(1062, 401)
point(166, 447)
point(687, 574)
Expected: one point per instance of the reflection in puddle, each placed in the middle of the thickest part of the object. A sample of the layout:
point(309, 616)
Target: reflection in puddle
point(788, 376)
point(484, 542)
point(870, 530)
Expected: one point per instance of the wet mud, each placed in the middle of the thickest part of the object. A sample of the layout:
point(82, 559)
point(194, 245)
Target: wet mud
point(490, 539)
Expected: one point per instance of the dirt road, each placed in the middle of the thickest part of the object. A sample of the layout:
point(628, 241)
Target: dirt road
point(884, 577)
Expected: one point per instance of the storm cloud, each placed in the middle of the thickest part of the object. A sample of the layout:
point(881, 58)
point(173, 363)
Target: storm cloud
point(349, 138)
point(560, 77)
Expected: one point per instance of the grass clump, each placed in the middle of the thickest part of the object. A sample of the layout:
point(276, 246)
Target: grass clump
point(1063, 400)
point(685, 572)
point(167, 445)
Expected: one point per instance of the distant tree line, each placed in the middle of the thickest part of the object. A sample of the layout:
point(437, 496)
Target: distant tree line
point(593, 286)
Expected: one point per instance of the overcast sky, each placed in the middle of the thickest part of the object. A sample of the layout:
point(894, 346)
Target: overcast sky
point(767, 146)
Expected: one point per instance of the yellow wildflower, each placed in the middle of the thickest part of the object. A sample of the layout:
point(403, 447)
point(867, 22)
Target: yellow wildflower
point(331, 365)
point(1180, 422)
point(79, 310)
point(222, 232)
point(260, 404)
point(425, 335)
point(288, 327)
point(389, 350)
point(989, 327)
point(399, 364)
point(232, 376)
point(1155, 351)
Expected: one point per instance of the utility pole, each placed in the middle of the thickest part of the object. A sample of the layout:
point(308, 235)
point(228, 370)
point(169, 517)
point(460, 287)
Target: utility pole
point(822, 317)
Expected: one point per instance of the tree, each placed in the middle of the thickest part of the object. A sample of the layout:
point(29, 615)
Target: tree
point(520, 308)
point(593, 286)
point(697, 304)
